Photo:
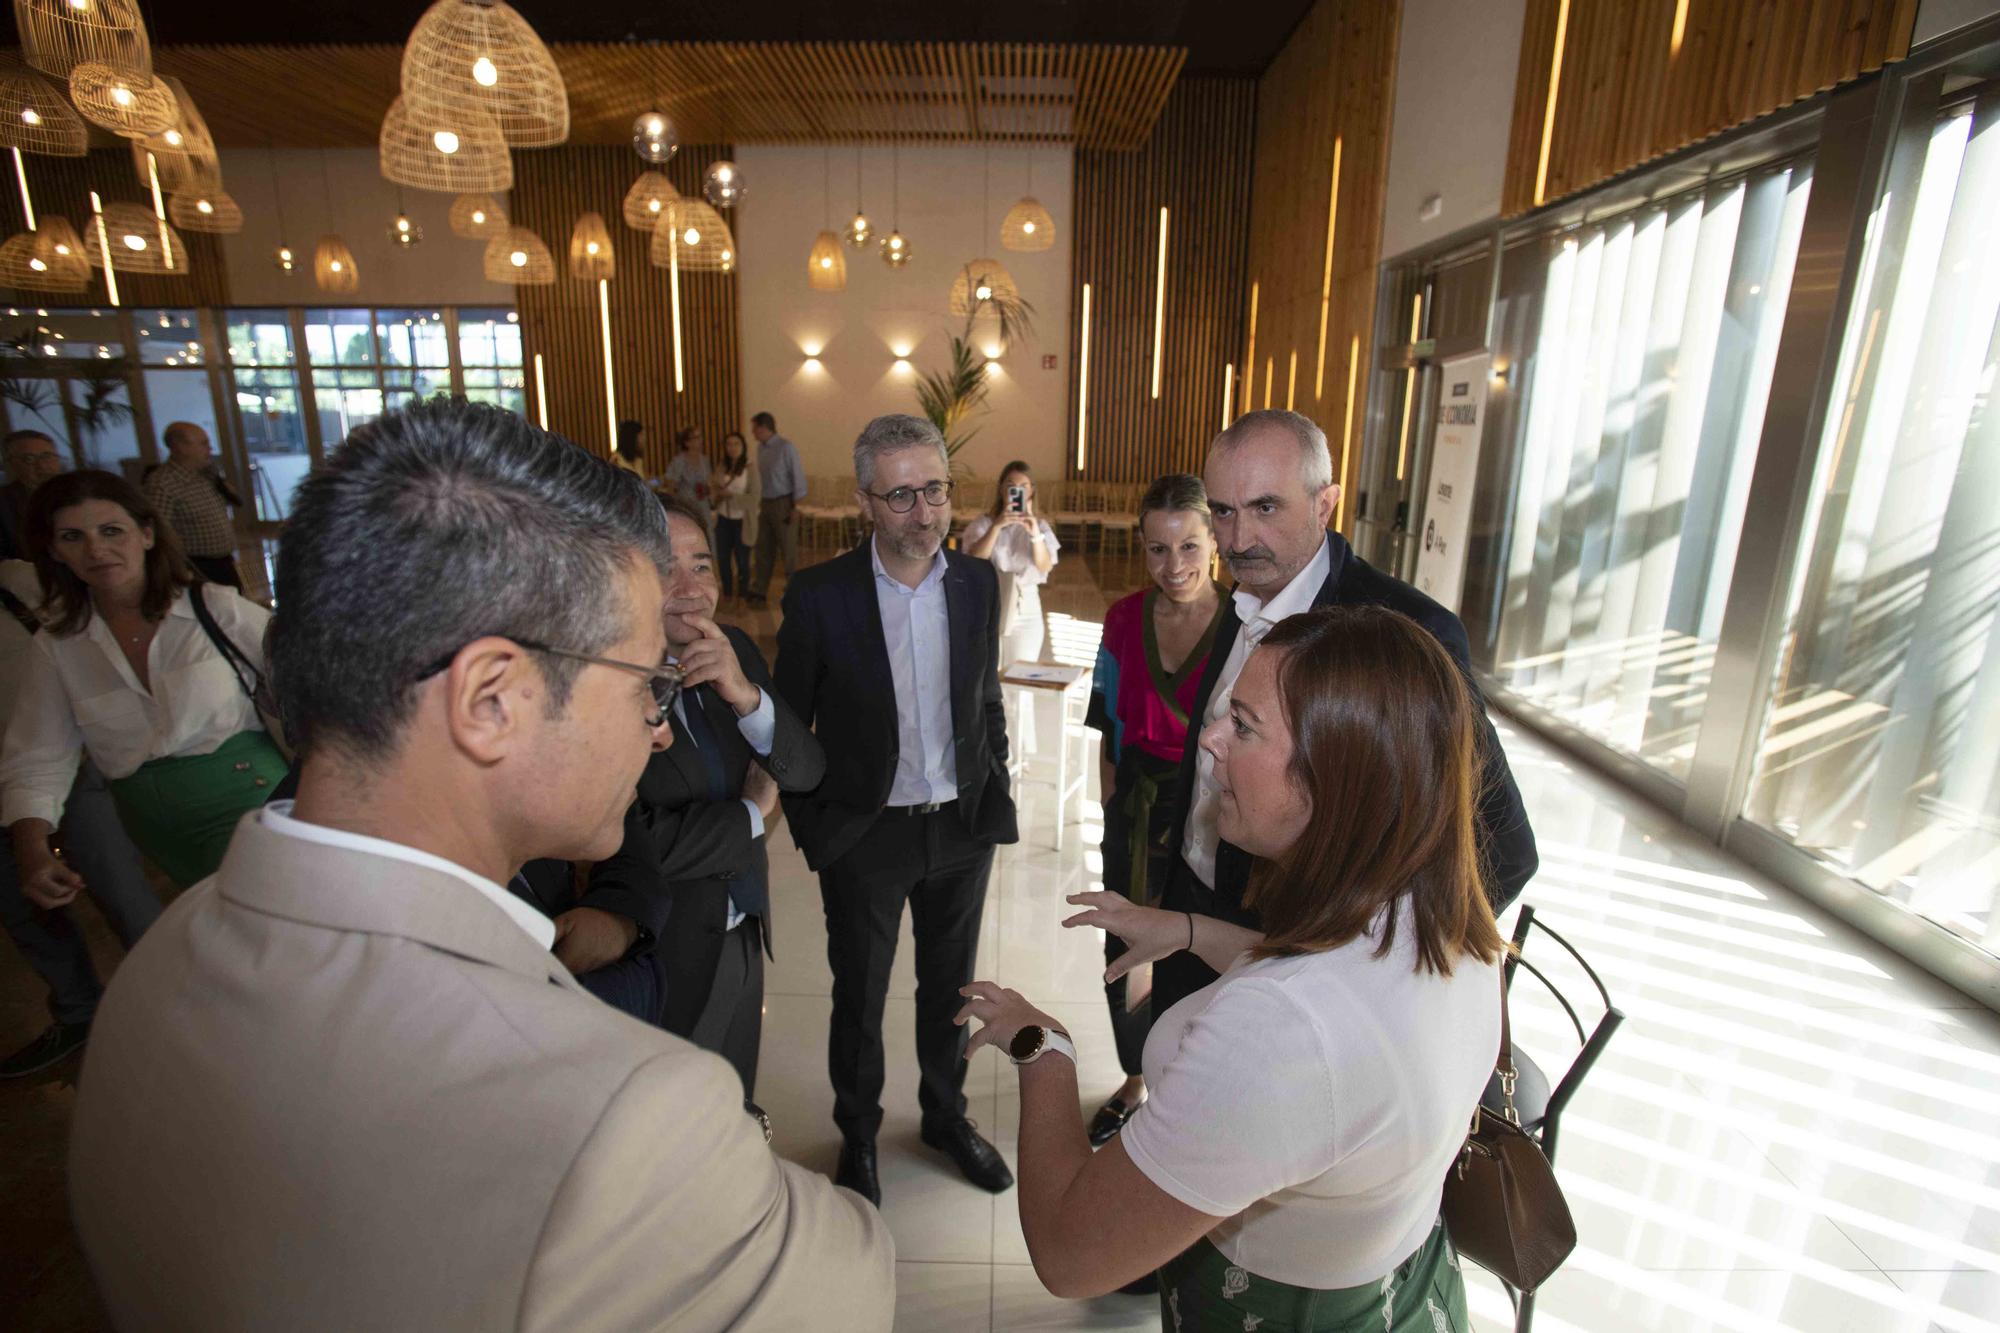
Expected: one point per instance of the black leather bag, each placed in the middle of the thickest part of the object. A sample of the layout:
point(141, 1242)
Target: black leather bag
point(1502, 1205)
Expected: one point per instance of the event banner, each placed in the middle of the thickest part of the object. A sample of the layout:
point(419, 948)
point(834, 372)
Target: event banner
point(1447, 512)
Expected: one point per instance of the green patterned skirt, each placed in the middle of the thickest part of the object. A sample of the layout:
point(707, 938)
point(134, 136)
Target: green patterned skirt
point(1201, 1291)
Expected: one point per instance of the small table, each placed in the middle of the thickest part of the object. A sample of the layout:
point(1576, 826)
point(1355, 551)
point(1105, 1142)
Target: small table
point(1072, 684)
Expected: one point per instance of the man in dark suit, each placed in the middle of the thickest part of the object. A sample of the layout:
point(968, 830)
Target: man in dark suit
point(1272, 493)
point(693, 867)
point(891, 651)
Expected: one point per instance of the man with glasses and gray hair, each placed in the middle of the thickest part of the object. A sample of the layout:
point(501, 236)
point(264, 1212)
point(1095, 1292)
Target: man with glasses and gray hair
point(915, 796)
point(344, 1083)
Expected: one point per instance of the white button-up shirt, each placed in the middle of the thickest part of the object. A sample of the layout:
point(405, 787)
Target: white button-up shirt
point(916, 626)
point(79, 694)
point(1259, 618)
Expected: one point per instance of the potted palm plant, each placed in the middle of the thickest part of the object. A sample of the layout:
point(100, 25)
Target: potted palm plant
point(951, 397)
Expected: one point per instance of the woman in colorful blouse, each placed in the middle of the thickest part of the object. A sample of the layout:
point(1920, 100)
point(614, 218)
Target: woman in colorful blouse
point(1149, 667)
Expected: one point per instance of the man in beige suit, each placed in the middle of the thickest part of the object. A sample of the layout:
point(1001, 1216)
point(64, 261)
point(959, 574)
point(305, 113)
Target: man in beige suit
point(344, 1084)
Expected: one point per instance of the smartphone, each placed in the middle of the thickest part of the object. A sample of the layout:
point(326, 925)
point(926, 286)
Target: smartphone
point(1017, 498)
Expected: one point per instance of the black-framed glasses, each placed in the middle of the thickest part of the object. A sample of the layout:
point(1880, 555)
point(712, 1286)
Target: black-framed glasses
point(663, 680)
point(904, 498)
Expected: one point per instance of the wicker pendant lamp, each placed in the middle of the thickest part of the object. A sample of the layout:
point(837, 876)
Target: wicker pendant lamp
point(518, 256)
point(138, 241)
point(128, 104)
point(1027, 226)
point(468, 57)
point(692, 234)
point(590, 255)
point(477, 217)
point(183, 153)
point(35, 118)
point(59, 35)
point(334, 269)
point(826, 266)
point(206, 210)
point(48, 259)
point(453, 152)
point(978, 282)
point(647, 200)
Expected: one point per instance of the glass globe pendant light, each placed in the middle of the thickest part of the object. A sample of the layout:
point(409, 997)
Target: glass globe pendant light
point(722, 184)
point(655, 137)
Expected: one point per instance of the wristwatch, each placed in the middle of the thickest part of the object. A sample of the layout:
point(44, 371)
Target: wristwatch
point(1034, 1041)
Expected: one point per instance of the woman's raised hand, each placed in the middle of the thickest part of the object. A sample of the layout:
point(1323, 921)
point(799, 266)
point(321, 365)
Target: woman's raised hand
point(1150, 933)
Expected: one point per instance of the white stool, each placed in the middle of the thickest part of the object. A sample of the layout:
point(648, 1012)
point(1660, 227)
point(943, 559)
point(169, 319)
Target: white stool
point(1025, 682)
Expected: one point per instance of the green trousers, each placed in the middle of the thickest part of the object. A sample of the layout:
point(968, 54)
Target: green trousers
point(182, 811)
point(1201, 1291)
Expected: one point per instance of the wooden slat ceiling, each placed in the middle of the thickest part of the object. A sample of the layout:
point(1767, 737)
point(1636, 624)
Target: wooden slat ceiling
point(735, 92)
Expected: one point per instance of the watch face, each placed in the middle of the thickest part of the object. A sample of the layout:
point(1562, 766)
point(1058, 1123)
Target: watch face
point(1027, 1041)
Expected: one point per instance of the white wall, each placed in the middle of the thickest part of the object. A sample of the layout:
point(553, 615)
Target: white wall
point(1455, 67)
point(855, 332)
point(353, 200)
point(1935, 18)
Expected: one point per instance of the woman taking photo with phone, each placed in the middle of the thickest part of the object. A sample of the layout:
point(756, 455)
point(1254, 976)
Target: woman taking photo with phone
point(1288, 1166)
point(736, 491)
point(1023, 550)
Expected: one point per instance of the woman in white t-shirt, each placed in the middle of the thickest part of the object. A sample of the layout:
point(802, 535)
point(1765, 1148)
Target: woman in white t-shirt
point(1022, 547)
point(1287, 1168)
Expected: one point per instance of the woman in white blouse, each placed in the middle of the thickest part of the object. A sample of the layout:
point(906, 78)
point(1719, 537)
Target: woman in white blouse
point(1287, 1168)
point(128, 673)
point(1023, 550)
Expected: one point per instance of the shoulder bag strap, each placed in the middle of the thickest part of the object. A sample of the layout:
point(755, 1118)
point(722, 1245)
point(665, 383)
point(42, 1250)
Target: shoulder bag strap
point(238, 663)
point(1505, 1065)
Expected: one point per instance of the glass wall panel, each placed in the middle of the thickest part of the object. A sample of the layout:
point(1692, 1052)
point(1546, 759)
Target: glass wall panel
point(489, 348)
point(263, 365)
point(1880, 754)
point(1644, 394)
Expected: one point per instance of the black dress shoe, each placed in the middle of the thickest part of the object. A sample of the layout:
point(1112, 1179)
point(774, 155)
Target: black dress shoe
point(52, 1047)
point(1110, 1118)
point(857, 1170)
point(979, 1160)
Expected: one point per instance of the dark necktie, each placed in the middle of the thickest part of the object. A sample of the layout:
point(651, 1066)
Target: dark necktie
point(745, 895)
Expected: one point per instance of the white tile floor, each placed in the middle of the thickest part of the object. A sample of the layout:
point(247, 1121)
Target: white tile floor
point(1795, 1130)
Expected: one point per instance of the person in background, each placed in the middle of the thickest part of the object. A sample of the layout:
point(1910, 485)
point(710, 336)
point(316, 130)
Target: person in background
point(694, 840)
point(345, 1085)
point(915, 796)
point(630, 452)
point(782, 476)
point(31, 458)
point(1022, 547)
point(1306, 1106)
point(195, 501)
point(96, 848)
point(1149, 664)
point(1271, 492)
point(687, 472)
point(154, 688)
point(736, 502)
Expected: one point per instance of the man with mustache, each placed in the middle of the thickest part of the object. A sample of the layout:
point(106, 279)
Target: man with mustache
point(1272, 493)
point(915, 795)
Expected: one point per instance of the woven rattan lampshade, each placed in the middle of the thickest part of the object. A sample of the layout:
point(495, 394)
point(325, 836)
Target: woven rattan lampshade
point(1028, 226)
point(989, 276)
point(451, 152)
point(59, 35)
point(334, 269)
point(477, 217)
point(121, 101)
point(49, 259)
point(184, 152)
point(826, 266)
point(138, 241)
point(481, 56)
point(206, 210)
point(518, 255)
point(35, 117)
point(648, 199)
point(696, 236)
point(590, 249)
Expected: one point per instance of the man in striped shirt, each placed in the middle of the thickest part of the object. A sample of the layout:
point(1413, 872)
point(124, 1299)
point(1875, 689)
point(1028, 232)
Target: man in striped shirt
point(195, 501)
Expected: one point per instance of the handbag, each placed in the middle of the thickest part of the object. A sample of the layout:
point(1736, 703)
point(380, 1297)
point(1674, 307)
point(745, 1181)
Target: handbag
point(249, 676)
point(1502, 1206)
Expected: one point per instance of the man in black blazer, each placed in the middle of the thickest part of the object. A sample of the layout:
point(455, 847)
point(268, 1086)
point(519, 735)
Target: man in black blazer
point(1271, 492)
point(891, 652)
point(693, 870)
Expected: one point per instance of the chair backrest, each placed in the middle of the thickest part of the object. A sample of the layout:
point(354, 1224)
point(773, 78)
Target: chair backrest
point(1592, 1041)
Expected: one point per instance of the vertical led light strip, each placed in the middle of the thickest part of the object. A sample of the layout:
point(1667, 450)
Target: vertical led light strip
point(1160, 305)
point(160, 212)
point(1409, 389)
point(21, 174)
point(1228, 393)
point(1083, 385)
point(104, 247)
point(1680, 27)
point(1347, 432)
point(610, 389)
point(1326, 278)
point(541, 393)
point(1549, 111)
point(1270, 365)
point(674, 291)
point(1292, 381)
point(1250, 352)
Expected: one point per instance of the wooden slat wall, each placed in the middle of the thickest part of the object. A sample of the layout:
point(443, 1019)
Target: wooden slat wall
point(61, 187)
point(1625, 96)
point(1194, 165)
point(1334, 79)
point(552, 189)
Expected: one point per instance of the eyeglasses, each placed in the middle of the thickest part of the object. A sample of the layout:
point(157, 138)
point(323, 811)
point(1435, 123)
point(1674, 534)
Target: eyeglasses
point(904, 498)
point(664, 680)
